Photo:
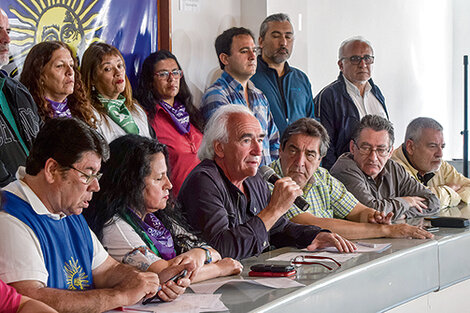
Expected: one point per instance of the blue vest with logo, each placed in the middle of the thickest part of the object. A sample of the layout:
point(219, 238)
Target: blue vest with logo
point(66, 244)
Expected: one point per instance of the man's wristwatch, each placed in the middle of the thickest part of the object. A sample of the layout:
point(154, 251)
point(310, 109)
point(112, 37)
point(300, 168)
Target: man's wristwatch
point(208, 255)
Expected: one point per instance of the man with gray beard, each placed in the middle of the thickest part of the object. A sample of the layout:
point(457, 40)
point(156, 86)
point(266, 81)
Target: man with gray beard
point(19, 119)
point(287, 88)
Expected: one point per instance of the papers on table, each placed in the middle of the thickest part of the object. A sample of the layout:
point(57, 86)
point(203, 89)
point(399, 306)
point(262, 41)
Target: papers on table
point(362, 247)
point(340, 257)
point(186, 303)
point(332, 252)
point(271, 282)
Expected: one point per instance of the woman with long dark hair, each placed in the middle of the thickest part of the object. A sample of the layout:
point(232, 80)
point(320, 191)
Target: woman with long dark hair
point(50, 72)
point(109, 90)
point(135, 220)
point(165, 96)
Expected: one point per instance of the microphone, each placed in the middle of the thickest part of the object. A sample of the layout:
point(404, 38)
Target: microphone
point(270, 176)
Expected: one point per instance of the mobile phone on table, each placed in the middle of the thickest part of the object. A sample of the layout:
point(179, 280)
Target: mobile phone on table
point(156, 298)
point(431, 229)
point(272, 270)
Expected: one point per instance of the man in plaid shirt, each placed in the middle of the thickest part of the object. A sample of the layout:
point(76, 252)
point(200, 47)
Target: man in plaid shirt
point(236, 51)
point(303, 145)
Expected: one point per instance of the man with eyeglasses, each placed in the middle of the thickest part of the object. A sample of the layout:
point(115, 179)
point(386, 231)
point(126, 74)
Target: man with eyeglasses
point(421, 155)
point(287, 88)
point(341, 105)
point(375, 180)
point(236, 52)
point(48, 251)
point(303, 145)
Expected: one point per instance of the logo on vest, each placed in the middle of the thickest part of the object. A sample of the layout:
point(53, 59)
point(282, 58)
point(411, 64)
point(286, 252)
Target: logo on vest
point(76, 278)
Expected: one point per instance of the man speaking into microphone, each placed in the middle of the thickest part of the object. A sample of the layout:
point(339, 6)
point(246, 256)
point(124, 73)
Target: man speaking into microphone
point(303, 145)
point(228, 202)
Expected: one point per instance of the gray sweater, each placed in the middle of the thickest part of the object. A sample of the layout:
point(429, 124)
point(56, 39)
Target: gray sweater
point(386, 192)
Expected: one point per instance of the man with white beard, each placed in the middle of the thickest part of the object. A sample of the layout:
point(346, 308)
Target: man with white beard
point(19, 118)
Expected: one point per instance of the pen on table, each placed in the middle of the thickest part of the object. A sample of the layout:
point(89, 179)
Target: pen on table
point(123, 309)
point(366, 244)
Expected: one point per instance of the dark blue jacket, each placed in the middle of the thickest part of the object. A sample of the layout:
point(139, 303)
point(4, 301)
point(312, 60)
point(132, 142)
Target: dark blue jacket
point(298, 98)
point(339, 115)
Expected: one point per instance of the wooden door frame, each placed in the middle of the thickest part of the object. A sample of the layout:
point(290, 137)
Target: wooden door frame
point(164, 24)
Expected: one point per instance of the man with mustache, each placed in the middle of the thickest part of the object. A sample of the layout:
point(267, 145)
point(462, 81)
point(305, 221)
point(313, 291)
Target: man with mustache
point(19, 119)
point(341, 105)
point(287, 88)
point(303, 144)
point(421, 156)
point(236, 52)
point(375, 180)
point(229, 203)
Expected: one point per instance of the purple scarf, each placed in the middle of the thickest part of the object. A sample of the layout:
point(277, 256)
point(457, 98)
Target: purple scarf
point(158, 234)
point(59, 109)
point(179, 116)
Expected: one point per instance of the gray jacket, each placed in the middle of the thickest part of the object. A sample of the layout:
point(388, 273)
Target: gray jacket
point(386, 193)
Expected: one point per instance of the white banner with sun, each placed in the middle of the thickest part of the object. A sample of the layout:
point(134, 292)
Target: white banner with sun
point(129, 25)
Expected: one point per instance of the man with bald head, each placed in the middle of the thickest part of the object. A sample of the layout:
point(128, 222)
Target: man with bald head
point(19, 120)
point(341, 105)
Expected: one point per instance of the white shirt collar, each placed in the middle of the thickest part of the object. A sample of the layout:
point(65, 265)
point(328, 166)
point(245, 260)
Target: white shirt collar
point(352, 88)
point(20, 189)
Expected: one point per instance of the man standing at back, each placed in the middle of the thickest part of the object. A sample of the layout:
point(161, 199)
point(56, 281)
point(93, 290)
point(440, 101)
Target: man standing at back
point(288, 89)
point(341, 105)
point(19, 119)
point(236, 51)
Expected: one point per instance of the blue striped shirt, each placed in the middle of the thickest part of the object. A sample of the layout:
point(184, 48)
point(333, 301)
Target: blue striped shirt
point(227, 90)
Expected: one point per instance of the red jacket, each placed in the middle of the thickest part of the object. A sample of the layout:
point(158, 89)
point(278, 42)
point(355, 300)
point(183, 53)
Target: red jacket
point(182, 148)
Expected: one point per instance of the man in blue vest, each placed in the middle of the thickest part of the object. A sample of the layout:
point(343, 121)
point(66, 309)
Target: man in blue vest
point(19, 119)
point(48, 251)
point(287, 88)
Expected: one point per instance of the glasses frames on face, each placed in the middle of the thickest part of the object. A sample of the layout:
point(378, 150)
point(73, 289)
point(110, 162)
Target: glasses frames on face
point(366, 150)
point(164, 75)
point(355, 59)
point(304, 259)
point(88, 177)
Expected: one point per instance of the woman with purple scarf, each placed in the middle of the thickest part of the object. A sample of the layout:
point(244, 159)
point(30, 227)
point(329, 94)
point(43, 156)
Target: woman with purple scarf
point(50, 73)
point(165, 96)
point(135, 219)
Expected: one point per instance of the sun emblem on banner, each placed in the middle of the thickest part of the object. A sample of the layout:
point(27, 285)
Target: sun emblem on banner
point(69, 21)
point(76, 278)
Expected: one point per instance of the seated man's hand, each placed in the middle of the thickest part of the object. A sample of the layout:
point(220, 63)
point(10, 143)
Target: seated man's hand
point(324, 239)
point(455, 187)
point(138, 286)
point(229, 266)
point(284, 193)
point(172, 290)
point(408, 231)
point(416, 202)
point(377, 217)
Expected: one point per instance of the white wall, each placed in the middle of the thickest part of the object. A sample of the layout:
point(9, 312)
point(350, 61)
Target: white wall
point(418, 46)
point(193, 36)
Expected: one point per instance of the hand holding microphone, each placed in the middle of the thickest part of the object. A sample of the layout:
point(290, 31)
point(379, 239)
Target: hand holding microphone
point(270, 176)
